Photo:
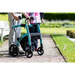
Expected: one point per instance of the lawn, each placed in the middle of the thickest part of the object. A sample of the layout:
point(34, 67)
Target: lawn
point(66, 46)
point(52, 30)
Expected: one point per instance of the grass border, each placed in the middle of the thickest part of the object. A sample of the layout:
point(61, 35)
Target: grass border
point(58, 49)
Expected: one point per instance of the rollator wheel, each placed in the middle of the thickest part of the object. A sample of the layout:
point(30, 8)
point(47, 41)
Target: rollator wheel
point(40, 51)
point(29, 54)
point(13, 50)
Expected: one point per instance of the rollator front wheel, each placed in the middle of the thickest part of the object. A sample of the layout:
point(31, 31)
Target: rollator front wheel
point(13, 50)
point(40, 51)
point(29, 54)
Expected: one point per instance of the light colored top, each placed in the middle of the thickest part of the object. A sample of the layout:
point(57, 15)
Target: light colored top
point(36, 16)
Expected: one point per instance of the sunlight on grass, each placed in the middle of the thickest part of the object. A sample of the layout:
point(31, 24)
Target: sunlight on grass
point(62, 42)
point(55, 30)
point(51, 30)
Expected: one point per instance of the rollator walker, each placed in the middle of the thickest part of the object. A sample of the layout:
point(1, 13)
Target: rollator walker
point(27, 41)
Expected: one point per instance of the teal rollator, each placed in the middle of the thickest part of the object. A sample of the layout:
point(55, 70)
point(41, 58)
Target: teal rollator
point(27, 42)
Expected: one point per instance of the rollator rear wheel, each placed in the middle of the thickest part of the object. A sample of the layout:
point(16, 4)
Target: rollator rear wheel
point(40, 51)
point(13, 50)
point(29, 54)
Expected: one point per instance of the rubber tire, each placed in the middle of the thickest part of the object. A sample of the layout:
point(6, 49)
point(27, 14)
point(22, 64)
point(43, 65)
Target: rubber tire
point(40, 51)
point(29, 54)
point(13, 50)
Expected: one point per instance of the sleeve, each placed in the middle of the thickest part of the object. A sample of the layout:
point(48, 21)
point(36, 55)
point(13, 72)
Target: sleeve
point(41, 15)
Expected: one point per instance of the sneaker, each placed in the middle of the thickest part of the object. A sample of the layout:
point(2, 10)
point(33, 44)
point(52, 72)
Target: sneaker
point(36, 49)
point(21, 52)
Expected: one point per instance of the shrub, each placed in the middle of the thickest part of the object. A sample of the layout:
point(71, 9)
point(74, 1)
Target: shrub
point(71, 34)
point(59, 16)
point(68, 32)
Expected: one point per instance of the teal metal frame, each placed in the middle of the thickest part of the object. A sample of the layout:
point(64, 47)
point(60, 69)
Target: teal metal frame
point(27, 34)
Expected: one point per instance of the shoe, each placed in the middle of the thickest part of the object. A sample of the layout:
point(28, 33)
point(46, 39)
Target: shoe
point(21, 52)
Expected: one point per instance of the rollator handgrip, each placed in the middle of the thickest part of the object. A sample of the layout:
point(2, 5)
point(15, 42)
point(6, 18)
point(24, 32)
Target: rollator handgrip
point(20, 17)
point(31, 18)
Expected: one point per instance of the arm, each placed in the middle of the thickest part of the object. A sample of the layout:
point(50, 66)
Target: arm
point(42, 16)
point(15, 17)
point(26, 15)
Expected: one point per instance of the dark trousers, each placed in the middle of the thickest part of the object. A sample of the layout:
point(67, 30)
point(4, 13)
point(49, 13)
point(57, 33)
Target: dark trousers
point(34, 29)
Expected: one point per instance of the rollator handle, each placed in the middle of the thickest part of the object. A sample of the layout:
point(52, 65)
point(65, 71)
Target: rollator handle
point(31, 18)
point(20, 17)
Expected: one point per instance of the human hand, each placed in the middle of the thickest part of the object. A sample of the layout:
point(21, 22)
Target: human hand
point(42, 21)
point(16, 18)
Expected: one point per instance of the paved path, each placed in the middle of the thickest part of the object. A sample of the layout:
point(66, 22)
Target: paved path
point(51, 53)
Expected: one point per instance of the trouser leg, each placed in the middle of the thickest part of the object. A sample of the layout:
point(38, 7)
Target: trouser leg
point(36, 31)
point(12, 37)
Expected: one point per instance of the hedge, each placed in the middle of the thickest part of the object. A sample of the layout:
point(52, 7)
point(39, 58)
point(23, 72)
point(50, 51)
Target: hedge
point(71, 33)
point(59, 16)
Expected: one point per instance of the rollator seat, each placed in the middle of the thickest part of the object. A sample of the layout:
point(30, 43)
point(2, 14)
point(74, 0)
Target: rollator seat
point(35, 34)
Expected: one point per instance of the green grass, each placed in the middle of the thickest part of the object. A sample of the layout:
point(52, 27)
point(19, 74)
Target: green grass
point(55, 30)
point(52, 30)
point(66, 46)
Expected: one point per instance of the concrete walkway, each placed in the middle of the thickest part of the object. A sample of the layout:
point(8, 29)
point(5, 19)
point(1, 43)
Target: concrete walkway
point(51, 53)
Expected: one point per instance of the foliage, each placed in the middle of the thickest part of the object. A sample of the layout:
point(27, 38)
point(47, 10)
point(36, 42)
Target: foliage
point(57, 24)
point(4, 17)
point(59, 16)
point(71, 33)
